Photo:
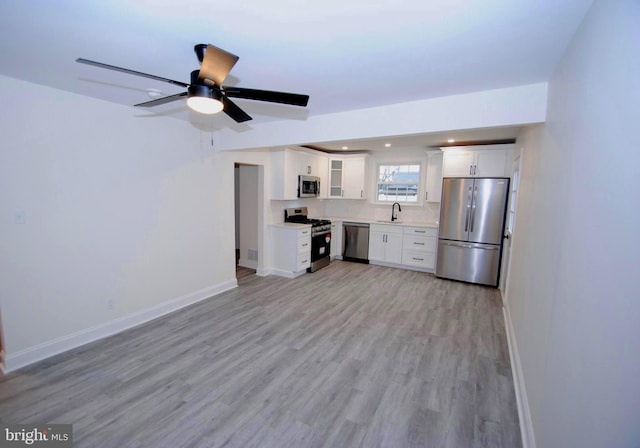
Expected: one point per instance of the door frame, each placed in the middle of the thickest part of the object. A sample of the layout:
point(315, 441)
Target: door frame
point(514, 186)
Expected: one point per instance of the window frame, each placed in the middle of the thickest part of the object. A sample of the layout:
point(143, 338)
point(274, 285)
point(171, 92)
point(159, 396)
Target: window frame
point(399, 162)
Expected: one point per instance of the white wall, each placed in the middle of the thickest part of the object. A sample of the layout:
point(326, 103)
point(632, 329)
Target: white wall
point(512, 106)
point(574, 290)
point(118, 207)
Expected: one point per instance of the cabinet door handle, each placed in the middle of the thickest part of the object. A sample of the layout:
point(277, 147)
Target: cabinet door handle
point(308, 169)
point(305, 261)
point(426, 196)
point(475, 168)
point(418, 259)
point(470, 170)
point(361, 193)
point(305, 244)
point(419, 244)
point(342, 193)
point(419, 231)
point(304, 232)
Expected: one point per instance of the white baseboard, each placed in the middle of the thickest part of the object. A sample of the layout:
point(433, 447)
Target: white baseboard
point(406, 267)
point(14, 361)
point(263, 272)
point(524, 413)
point(286, 274)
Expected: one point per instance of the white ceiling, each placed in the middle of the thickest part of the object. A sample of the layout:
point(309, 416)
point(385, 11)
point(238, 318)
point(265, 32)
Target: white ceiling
point(345, 54)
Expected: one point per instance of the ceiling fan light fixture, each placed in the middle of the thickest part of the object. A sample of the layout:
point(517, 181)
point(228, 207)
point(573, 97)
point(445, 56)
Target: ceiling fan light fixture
point(204, 99)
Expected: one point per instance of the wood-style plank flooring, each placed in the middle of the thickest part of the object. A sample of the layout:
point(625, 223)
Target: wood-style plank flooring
point(350, 356)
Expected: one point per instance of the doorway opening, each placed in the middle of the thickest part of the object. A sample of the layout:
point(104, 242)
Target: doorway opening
point(248, 219)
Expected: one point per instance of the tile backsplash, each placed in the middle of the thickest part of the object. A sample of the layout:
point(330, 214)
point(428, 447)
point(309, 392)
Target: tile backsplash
point(353, 208)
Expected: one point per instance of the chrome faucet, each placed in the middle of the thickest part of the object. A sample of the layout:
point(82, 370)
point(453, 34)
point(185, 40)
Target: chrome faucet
point(393, 211)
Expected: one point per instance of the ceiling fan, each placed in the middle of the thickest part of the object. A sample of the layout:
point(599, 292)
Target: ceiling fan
point(205, 93)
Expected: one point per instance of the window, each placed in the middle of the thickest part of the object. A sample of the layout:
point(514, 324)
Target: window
point(398, 183)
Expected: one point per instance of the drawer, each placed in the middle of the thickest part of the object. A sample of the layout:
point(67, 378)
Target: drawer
point(425, 260)
point(386, 228)
point(304, 245)
point(421, 231)
point(304, 232)
point(420, 243)
point(303, 261)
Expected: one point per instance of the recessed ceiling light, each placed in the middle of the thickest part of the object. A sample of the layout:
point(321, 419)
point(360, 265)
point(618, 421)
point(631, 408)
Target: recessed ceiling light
point(451, 140)
point(387, 145)
point(345, 147)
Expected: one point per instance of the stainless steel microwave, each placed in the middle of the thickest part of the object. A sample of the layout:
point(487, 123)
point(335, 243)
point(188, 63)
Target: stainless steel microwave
point(308, 186)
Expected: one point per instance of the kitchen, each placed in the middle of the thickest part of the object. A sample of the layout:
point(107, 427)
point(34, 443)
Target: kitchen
point(367, 205)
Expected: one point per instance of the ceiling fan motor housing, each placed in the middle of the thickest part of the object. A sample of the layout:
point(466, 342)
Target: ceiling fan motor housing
point(203, 91)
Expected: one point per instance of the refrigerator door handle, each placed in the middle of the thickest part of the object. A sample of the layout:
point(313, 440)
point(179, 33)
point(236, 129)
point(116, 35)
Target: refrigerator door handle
point(471, 246)
point(466, 220)
point(473, 208)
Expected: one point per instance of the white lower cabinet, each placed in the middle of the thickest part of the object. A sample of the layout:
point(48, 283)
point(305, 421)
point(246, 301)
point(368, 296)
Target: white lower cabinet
point(291, 250)
point(403, 246)
point(385, 243)
point(419, 247)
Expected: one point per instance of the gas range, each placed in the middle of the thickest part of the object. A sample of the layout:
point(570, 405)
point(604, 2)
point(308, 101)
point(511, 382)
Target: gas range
point(319, 225)
point(320, 236)
point(300, 216)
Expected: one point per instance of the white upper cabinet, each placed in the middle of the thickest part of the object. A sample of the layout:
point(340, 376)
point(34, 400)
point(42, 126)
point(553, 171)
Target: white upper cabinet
point(287, 164)
point(457, 163)
point(434, 177)
point(476, 161)
point(347, 177)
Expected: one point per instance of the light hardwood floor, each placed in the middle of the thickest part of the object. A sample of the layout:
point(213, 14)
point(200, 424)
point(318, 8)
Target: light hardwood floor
point(350, 356)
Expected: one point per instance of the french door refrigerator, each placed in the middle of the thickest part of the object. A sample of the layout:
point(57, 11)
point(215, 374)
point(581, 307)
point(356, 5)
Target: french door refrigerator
point(472, 217)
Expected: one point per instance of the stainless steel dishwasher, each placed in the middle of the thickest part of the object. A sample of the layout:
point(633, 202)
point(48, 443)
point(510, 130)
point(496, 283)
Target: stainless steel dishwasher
point(355, 246)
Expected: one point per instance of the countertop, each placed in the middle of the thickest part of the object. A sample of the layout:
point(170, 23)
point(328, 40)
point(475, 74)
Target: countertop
point(290, 225)
point(431, 225)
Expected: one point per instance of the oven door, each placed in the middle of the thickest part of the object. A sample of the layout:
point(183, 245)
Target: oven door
point(320, 245)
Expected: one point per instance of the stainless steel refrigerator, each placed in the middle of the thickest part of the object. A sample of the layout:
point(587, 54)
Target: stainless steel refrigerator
point(472, 217)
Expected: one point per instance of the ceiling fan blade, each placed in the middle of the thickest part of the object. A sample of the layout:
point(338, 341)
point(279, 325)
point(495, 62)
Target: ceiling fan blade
point(163, 100)
point(131, 72)
point(216, 64)
point(294, 99)
point(232, 109)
